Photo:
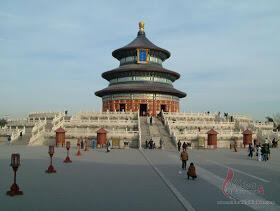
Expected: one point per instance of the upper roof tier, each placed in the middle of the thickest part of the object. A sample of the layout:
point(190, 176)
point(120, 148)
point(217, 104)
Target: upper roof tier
point(141, 41)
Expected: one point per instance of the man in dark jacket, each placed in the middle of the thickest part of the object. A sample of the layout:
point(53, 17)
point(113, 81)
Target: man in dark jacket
point(184, 146)
point(179, 145)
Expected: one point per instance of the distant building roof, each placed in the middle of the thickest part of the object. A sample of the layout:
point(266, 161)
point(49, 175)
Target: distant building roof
point(131, 87)
point(212, 132)
point(247, 132)
point(102, 130)
point(141, 41)
point(60, 130)
point(139, 67)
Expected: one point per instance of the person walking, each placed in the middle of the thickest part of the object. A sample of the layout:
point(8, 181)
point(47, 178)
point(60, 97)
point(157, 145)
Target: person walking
point(191, 171)
point(151, 144)
point(93, 143)
point(263, 152)
point(108, 145)
point(179, 145)
point(184, 146)
point(147, 144)
point(184, 158)
point(259, 153)
point(273, 143)
point(161, 143)
point(9, 139)
point(151, 120)
point(82, 144)
point(250, 150)
point(268, 151)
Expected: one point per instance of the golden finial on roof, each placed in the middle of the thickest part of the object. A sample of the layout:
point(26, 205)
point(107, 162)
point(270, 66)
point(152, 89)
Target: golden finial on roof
point(141, 26)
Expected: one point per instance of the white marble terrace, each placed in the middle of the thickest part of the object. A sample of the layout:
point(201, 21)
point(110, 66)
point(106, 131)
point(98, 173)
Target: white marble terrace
point(39, 127)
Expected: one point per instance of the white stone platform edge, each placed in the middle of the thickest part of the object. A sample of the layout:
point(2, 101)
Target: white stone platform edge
point(186, 204)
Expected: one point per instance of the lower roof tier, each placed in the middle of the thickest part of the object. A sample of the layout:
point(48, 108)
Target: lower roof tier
point(140, 87)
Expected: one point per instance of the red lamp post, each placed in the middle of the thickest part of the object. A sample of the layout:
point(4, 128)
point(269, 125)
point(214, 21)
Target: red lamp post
point(67, 159)
point(79, 147)
point(86, 144)
point(51, 168)
point(15, 163)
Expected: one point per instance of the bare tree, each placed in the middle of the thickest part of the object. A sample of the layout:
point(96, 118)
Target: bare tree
point(276, 120)
point(3, 122)
point(269, 119)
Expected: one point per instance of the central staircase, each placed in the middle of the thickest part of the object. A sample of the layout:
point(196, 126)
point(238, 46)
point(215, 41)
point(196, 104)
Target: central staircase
point(156, 131)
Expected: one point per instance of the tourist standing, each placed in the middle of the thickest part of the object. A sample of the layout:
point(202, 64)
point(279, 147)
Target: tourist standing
point(184, 146)
point(268, 151)
point(151, 120)
point(259, 153)
point(273, 142)
point(191, 171)
point(82, 144)
point(151, 144)
point(179, 145)
point(250, 150)
point(146, 143)
point(78, 142)
point(9, 139)
point(235, 145)
point(108, 145)
point(93, 143)
point(184, 158)
point(161, 143)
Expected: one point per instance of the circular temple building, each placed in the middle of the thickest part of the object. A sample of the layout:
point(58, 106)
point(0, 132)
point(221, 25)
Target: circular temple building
point(140, 83)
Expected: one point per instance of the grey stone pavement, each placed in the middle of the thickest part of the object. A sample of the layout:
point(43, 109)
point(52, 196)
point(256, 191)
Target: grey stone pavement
point(136, 180)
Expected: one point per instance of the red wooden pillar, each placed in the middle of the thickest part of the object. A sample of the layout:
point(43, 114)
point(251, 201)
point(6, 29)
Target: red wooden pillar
point(247, 137)
point(101, 137)
point(212, 139)
point(154, 113)
point(60, 136)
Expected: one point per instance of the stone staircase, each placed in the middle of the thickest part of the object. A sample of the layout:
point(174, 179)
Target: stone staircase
point(24, 139)
point(163, 133)
point(145, 131)
point(156, 131)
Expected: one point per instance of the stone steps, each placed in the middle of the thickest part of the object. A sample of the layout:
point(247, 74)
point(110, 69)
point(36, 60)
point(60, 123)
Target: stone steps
point(156, 131)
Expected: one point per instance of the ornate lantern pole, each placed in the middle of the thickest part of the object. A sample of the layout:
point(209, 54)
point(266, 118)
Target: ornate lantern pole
point(67, 159)
point(79, 147)
point(51, 168)
point(86, 144)
point(15, 163)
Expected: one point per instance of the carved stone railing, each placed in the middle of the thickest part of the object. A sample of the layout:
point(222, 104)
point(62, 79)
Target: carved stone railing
point(39, 125)
point(139, 132)
point(37, 136)
point(58, 121)
point(7, 131)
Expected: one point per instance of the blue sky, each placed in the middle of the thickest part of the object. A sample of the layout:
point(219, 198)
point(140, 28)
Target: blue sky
point(52, 53)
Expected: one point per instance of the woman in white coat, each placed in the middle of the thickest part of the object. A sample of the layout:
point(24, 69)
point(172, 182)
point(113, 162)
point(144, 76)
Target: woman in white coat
point(259, 153)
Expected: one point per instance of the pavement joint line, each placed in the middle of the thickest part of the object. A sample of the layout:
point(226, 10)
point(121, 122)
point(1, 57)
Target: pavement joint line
point(186, 204)
point(239, 171)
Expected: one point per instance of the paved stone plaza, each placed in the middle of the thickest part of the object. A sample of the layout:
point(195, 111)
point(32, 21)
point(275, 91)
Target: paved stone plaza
point(135, 180)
